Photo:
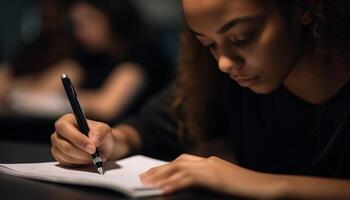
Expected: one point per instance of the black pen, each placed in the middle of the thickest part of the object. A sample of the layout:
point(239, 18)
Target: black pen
point(80, 117)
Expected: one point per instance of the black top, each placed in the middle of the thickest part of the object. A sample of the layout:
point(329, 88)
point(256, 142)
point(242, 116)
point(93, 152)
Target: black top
point(98, 66)
point(276, 133)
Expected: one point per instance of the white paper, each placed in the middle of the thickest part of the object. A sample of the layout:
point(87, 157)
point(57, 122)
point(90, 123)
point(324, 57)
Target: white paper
point(122, 175)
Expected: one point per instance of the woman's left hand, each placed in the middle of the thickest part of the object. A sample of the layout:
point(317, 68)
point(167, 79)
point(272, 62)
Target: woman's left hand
point(212, 173)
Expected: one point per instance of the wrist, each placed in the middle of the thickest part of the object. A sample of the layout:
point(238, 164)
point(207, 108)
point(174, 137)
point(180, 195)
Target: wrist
point(273, 186)
point(120, 146)
point(258, 185)
point(126, 141)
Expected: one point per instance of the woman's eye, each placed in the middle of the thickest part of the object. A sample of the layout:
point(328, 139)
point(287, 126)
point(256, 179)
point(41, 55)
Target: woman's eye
point(242, 40)
point(210, 46)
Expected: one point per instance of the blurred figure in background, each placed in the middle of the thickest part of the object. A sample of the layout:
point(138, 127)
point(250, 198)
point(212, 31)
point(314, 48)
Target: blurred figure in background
point(113, 67)
point(24, 77)
point(5, 77)
point(116, 57)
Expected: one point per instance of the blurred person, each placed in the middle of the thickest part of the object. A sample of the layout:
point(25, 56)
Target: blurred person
point(115, 58)
point(112, 67)
point(5, 77)
point(24, 77)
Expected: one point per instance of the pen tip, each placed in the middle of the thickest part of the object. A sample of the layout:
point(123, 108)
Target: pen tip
point(100, 170)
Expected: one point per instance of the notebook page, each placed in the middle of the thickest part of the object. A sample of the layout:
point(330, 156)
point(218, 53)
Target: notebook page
point(121, 175)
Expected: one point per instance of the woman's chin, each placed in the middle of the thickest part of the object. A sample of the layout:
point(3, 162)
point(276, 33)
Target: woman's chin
point(262, 89)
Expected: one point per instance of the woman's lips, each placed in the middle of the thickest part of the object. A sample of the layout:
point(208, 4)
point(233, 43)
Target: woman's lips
point(245, 81)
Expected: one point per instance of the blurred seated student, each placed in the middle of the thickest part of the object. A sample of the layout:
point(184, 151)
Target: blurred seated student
point(24, 74)
point(113, 67)
point(116, 58)
point(5, 77)
point(272, 76)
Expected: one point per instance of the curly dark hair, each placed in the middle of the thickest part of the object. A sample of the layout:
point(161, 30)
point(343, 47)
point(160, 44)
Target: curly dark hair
point(199, 80)
point(331, 31)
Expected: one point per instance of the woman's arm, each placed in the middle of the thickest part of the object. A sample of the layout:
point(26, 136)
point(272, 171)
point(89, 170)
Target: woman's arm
point(6, 82)
point(300, 187)
point(219, 175)
point(152, 132)
point(49, 80)
point(119, 89)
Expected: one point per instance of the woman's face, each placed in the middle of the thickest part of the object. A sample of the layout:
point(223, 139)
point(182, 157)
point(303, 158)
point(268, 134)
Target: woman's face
point(90, 26)
point(251, 41)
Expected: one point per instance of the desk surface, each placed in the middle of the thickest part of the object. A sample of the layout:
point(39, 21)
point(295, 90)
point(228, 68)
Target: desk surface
point(19, 188)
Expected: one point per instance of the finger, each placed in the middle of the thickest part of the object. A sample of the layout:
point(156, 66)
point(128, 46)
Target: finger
point(177, 181)
point(153, 170)
point(169, 180)
point(57, 158)
point(158, 173)
point(69, 148)
point(65, 127)
point(188, 157)
point(66, 159)
point(99, 132)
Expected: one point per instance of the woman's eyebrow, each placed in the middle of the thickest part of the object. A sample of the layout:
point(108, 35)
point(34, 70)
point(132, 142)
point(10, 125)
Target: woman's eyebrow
point(229, 25)
point(233, 22)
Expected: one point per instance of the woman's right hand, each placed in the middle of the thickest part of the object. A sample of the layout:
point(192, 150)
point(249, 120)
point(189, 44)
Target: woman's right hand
point(71, 147)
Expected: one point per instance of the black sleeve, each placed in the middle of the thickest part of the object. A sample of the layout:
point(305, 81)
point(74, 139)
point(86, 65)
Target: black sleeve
point(345, 162)
point(157, 128)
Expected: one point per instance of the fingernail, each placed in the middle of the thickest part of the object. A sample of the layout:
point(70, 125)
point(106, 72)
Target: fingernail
point(147, 183)
point(145, 180)
point(90, 149)
point(166, 189)
point(157, 184)
point(143, 174)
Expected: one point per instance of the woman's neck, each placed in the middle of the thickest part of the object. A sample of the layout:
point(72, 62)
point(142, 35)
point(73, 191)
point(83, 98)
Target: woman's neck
point(112, 48)
point(316, 84)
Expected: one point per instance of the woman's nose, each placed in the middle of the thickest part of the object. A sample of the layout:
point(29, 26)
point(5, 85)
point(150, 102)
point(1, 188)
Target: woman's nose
point(227, 64)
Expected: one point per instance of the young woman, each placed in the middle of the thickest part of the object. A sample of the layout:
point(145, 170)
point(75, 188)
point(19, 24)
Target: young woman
point(282, 101)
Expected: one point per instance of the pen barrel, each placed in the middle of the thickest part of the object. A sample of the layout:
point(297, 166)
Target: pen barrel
point(80, 117)
point(82, 124)
point(77, 110)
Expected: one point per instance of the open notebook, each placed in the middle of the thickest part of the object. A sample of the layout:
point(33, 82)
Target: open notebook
point(122, 175)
